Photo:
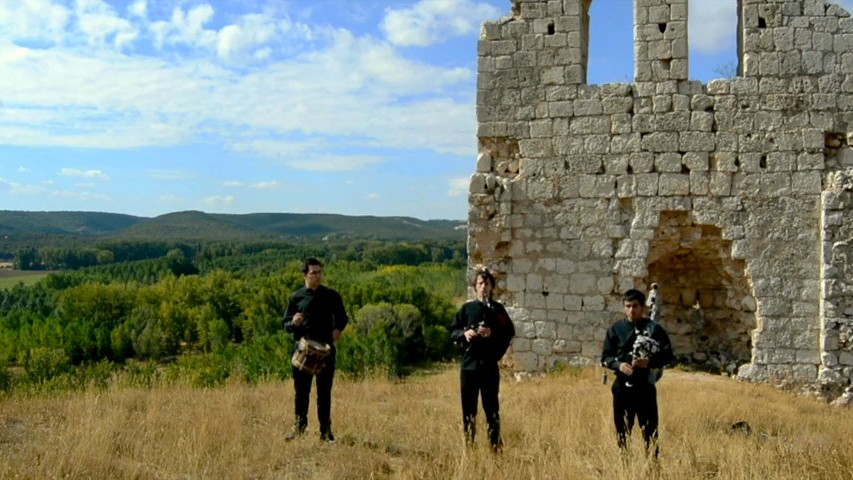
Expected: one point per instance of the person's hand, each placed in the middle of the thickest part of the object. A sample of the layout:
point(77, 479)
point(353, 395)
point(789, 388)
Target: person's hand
point(484, 331)
point(298, 319)
point(470, 334)
point(626, 368)
point(336, 334)
point(640, 363)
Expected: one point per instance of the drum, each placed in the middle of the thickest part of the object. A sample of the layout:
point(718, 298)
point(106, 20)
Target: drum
point(310, 356)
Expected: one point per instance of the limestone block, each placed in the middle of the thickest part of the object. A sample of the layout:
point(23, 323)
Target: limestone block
point(671, 121)
point(626, 186)
point(620, 123)
point(593, 303)
point(810, 161)
point(560, 109)
point(611, 105)
point(668, 162)
point(545, 329)
point(696, 161)
point(806, 183)
point(535, 148)
point(541, 128)
point(542, 346)
point(696, 141)
point(526, 361)
point(643, 123)
point(660, 142)
point(746, 184)
point(641, 162)
point(584, 107)
point(804, 373)
point(521, 345)
point(699, 183)
point(646, 184)
point(775, 184)
point(589, 125)
point(662, 103)
point(673, 184)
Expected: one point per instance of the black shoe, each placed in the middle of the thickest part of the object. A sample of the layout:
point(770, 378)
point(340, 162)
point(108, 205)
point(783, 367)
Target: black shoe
point(328, 437)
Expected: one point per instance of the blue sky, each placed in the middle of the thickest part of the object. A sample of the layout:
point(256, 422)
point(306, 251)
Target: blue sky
point(358, 107)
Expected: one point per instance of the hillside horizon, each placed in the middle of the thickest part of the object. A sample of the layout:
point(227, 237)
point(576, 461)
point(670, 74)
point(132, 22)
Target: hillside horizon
point(26, 228)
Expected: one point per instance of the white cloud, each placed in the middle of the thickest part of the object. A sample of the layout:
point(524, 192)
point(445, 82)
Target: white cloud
point(712, 25)
point(373, 196)
point(458, 187)
point(34, 20)
point(217, 200)
point(84, 195)
point(432, 21)
point(186, 28)
point(23, 169)
point(317, 97)
point(164, 174)
point(238, 43)
point(333, 163)
point(15, 188)
point(267, 185)
point(87, 185)
point(232, 183)
point(98, 21)
point(138, 8)
point(168, 198)
point(73, 172)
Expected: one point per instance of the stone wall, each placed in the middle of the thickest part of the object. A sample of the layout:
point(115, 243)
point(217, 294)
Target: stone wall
point(716, 191)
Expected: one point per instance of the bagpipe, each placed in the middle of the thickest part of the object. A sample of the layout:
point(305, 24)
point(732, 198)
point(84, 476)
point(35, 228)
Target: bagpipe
point(645, 347)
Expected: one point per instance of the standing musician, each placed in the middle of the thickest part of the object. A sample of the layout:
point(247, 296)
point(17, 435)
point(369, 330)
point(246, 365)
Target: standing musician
point(636, 348)
point(316, 313)
point(483, 330)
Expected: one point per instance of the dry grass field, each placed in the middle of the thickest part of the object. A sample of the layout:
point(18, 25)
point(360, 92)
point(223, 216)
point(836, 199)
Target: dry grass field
point(556, 427)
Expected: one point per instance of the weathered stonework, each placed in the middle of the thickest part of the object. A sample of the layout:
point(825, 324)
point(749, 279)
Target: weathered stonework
point(734, 196)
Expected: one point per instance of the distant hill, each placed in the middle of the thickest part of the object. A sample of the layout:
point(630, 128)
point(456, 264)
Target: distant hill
point(200, 226)
point(67, 223)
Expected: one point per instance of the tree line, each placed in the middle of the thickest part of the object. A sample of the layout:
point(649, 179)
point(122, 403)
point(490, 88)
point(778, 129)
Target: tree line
point(212, 313)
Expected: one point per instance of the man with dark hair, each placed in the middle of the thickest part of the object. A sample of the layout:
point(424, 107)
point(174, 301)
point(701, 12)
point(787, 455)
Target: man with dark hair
point(316, 313)
point(636, 348)
point(483, 330)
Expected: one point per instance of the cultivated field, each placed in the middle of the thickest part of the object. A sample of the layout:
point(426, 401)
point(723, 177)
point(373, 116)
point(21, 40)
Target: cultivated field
point(9, 278)
point(557, 427)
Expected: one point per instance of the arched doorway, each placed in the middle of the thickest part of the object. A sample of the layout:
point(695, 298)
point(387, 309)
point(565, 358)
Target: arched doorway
point(707, 304)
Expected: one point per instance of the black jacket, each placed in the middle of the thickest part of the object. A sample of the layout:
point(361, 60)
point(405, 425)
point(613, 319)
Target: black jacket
point(619, 342)
point(482, 352)
point(323, 311)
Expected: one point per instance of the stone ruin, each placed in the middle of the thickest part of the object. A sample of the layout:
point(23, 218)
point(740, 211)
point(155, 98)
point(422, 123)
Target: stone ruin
point(735, 196)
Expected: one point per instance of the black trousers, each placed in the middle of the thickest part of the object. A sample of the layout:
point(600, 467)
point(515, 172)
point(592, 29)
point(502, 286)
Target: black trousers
point(640, 401)
point(302, 386)
point(483, 383)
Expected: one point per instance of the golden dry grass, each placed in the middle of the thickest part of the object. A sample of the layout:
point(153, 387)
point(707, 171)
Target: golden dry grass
point(557, 427)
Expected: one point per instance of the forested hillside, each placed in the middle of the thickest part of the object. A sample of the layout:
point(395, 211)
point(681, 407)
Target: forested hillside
point(20, 230)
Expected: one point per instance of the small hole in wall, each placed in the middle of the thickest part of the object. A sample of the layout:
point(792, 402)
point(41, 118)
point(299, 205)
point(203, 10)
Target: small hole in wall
point(737, 162)
point(763, 162)
point(662, 27)
point(762, 23)
point(545, 293)
point(685, 169)
point(551, 28)
point(630, 169)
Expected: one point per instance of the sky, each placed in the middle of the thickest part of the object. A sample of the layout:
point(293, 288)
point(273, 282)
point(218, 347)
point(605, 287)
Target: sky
point(355, 107)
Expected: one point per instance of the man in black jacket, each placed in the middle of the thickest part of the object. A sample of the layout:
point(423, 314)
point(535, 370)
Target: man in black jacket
point(636, 349)
point(483, 330)
point(316, 313)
